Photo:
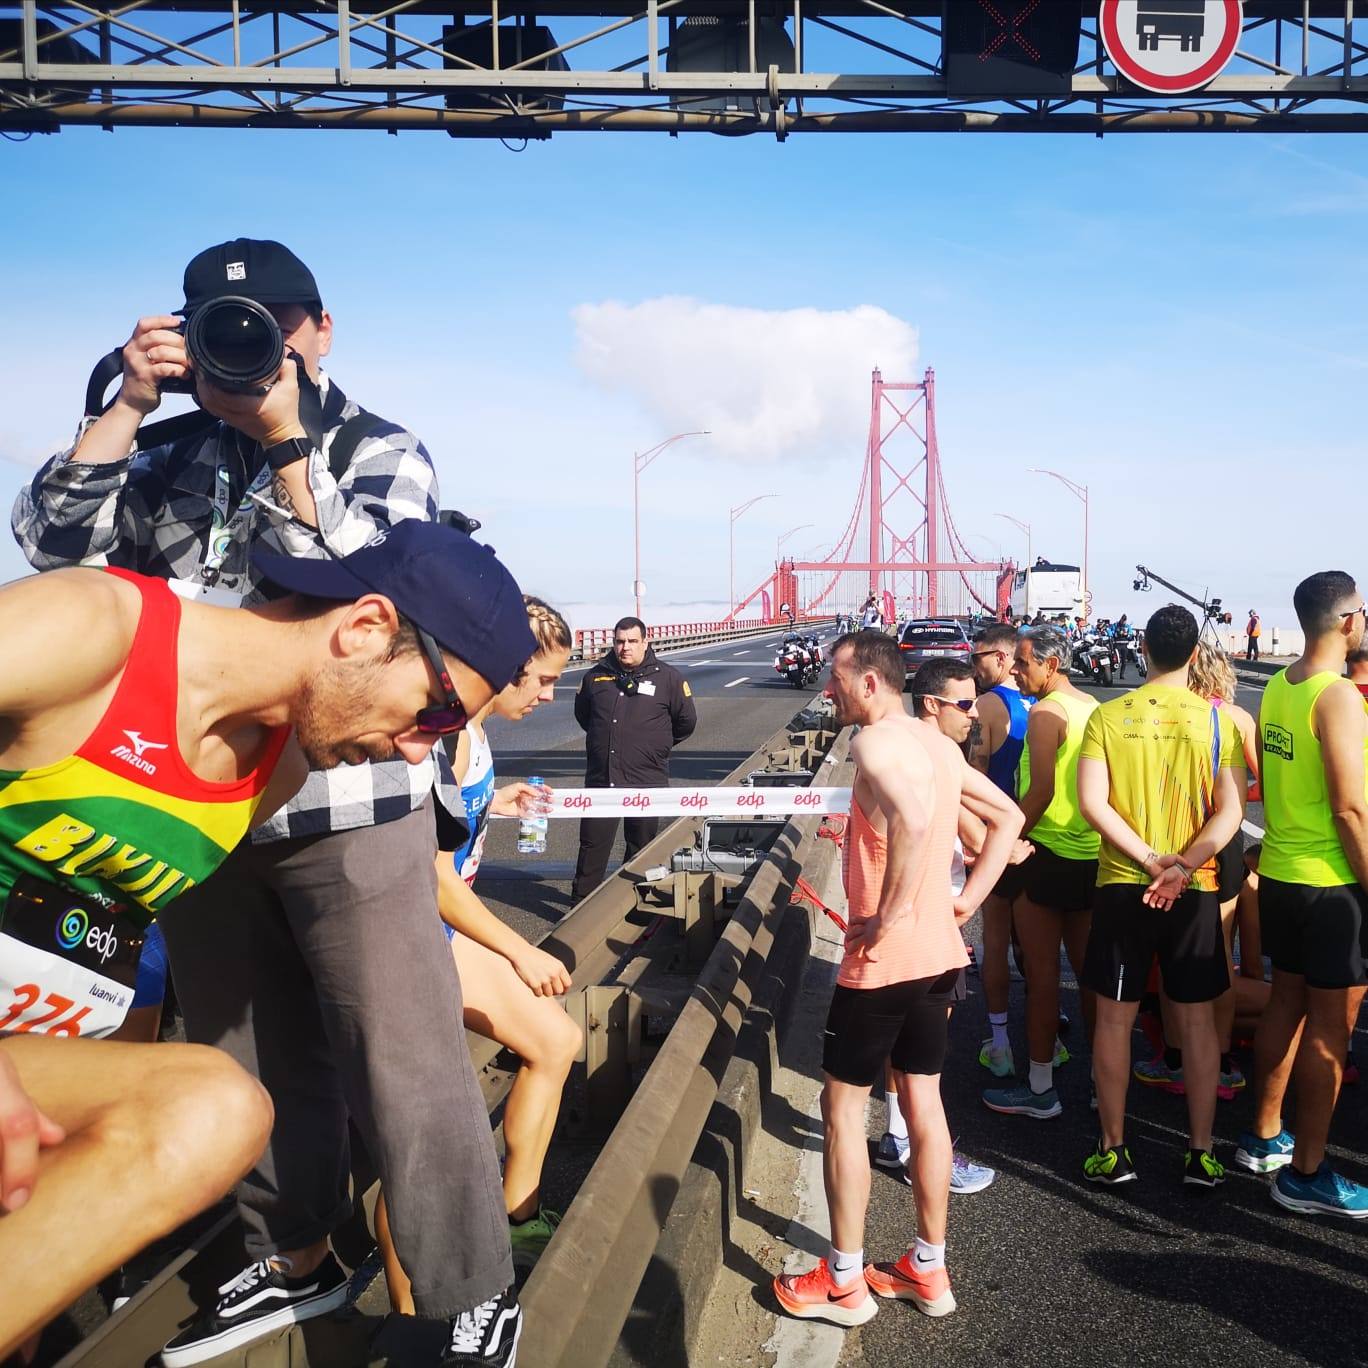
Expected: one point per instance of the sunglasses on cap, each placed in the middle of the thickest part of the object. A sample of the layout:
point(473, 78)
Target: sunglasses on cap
point(963, 704)
point(440, 719)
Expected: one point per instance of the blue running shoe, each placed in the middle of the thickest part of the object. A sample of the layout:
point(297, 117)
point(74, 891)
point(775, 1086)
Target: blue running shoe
point(1021, 1101)
point(1264, 1156)
point(891, 1153)
point(967, 1176)
point(1326, 1194)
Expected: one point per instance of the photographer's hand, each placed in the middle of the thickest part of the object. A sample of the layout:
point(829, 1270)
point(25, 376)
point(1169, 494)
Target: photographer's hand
point(270, 418)
point(155, 352)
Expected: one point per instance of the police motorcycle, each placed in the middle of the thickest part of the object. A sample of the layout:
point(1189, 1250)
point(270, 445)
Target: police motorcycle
point(1095, 655)
point(799, 658)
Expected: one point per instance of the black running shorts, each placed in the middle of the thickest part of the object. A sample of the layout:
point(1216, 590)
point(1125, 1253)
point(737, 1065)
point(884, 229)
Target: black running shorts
point(1319, 933)
point(1053, 881)
point(1231, 870)
point(905, 1023)
point(1126, 935)
point(1009, 883)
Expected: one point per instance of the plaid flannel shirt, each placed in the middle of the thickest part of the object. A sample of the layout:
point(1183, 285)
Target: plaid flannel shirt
point(154, 512)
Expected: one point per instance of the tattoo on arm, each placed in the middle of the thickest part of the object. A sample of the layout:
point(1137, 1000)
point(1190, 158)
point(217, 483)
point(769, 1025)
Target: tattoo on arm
point(975, 742)
point(281, 494)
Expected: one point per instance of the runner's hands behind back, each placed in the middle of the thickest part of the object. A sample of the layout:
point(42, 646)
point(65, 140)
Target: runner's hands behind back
point(24, 1130)
point(1168, 886)
point(865, 935)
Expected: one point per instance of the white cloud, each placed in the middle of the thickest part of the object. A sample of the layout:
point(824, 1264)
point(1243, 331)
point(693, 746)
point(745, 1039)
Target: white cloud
point(767, 383)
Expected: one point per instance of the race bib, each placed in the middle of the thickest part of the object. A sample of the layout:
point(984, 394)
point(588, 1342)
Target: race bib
point(67, 965)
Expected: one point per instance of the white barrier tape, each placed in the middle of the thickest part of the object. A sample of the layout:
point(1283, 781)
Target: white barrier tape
point(685, 802)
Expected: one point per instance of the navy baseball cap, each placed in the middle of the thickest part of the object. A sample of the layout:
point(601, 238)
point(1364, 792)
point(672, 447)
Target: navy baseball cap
point(452, 587)
point(251, 268)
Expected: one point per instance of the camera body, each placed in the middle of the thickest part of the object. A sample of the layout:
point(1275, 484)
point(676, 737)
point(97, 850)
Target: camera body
point(234, 342)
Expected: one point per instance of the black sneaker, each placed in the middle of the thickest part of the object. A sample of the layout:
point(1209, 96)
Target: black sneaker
point(1110, 1166)
point(488, 1335)
point(1201, 1169)
point(259, 1300)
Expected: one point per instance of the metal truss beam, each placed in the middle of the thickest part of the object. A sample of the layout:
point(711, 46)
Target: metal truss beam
point(501, 70)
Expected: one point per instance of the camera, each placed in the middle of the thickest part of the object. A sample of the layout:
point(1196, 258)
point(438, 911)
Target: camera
point(234, 342)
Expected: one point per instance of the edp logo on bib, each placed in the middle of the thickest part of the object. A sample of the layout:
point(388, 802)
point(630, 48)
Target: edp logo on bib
point(73, 927)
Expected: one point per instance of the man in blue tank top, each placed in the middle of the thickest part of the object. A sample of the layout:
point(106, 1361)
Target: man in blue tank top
point(995, 748)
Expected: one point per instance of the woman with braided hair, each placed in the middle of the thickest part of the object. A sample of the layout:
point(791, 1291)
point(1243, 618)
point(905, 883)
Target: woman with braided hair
point(509, 986)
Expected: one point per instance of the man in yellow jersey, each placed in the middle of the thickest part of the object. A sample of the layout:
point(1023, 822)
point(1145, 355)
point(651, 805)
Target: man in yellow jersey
point(1161, 779)
point(140, 737)
point(1057, 881)
point(1313, 912)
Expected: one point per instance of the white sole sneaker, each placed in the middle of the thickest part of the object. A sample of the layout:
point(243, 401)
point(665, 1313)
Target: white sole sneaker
point(251, 1331)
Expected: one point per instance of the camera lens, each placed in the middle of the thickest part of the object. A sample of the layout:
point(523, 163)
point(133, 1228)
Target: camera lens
point(234, 342)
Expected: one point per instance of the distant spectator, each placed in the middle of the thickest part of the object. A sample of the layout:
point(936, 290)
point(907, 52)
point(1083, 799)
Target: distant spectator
point(1252, 633)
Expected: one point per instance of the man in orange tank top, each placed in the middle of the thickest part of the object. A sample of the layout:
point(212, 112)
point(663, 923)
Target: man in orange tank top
point(903, 955)
point(106, 1146)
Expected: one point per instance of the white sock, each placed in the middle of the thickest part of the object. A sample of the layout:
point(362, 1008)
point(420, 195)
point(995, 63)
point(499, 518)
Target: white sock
point(998, 1021)
point(844, 1268)
point(897, 1122)
point(924, 1256)
point(1042, 1077)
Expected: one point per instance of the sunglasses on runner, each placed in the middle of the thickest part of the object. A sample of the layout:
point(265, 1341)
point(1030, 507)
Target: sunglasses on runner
point(963, 704)
point(1362, 608)
point(978, 655)
point(440, 719)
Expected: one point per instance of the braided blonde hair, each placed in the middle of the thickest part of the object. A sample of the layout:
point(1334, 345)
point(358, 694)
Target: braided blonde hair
point(1211, 675)
point(548, 626)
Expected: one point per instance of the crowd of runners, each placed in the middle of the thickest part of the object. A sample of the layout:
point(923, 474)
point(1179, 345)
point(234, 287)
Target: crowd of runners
point(242, 750)
point(1111, 831)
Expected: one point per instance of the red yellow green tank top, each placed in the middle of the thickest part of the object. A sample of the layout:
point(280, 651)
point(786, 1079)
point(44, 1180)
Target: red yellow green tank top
point(93, 846)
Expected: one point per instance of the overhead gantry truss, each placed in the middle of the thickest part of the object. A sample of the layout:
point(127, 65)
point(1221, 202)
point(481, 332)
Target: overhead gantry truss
point(500, 69)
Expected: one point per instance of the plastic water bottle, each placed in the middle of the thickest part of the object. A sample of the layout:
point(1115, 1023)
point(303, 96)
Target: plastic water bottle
point(532, 828)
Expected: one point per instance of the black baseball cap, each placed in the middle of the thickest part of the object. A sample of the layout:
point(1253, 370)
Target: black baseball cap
point(253, 268)
point(454, 588)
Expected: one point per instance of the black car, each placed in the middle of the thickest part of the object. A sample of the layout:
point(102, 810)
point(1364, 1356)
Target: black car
point(926, 638)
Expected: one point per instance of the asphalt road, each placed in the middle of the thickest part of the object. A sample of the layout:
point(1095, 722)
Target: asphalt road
point(741, 701)
point(1050, 1270)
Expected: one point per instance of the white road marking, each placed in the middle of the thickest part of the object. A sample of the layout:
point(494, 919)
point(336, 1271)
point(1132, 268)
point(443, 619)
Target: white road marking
point(1257, 832)
point(740, 653)
point(735, 682)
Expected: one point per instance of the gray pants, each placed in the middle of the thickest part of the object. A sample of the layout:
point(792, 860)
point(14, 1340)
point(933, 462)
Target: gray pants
point(319, 965)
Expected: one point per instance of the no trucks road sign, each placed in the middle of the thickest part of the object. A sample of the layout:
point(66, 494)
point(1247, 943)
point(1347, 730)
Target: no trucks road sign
point(1171, 46)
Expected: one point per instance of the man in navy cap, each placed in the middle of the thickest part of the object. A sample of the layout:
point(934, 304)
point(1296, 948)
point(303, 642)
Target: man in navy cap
point(389, 649)
point(304, 957)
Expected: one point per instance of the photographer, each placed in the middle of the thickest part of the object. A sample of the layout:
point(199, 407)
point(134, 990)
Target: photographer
point(314, 956)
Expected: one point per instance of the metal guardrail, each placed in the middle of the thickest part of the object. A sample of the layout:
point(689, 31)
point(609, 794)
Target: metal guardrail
point(592, 641)
point(610, 1231)
point(591, 941)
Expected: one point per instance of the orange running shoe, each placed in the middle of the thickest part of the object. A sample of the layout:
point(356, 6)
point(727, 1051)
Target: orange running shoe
point(929, 1289)
point(813, 1296)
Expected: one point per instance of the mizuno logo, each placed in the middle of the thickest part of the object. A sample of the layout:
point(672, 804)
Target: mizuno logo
point(132, 754)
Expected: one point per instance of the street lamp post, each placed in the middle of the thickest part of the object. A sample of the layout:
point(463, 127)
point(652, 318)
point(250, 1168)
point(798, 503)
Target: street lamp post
point(1025, 527)
point(778, 545)
point(1079, 492)
point(731, 549)
point(640, 460)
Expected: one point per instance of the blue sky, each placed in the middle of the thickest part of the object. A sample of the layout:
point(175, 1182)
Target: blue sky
point(1176, 321)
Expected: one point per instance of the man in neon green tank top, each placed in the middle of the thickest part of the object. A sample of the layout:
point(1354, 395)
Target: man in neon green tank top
point(1161, 778)
point(1058, 881)
point(1313, 911)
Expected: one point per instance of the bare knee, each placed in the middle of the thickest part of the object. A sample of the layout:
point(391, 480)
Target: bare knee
point(567, 1042)
point(198, 1122)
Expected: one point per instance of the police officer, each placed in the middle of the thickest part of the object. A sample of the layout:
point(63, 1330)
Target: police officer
point(634, 709)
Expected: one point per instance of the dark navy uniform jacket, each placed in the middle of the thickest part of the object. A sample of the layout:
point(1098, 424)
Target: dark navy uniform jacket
point(630, 734)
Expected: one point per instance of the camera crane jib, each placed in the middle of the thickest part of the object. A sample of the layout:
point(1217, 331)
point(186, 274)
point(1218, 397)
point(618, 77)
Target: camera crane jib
point(1213, 614)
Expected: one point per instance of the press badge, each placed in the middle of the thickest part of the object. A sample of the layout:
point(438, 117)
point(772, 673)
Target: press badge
point(68, 965)
point(646, 688)
point(194, 592)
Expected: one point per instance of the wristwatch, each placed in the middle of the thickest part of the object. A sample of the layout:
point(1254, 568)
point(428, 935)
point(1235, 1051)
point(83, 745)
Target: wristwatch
point(289, 451)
